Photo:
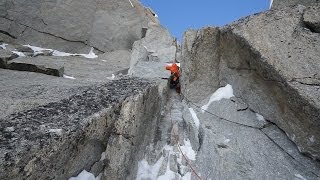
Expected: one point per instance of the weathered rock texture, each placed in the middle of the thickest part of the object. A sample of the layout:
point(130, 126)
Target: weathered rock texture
point(74, 26)
point(272, 62)
point(60, 139)
point(277, 4)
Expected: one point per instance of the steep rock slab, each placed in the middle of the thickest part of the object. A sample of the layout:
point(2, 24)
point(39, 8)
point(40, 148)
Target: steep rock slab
point(73, 25)
point(151, 54)
point(80, 126)
point(261, 57)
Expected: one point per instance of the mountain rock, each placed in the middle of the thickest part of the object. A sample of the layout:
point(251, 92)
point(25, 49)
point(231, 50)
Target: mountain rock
point(282, 84)
point(77, 25)
point(286, 3)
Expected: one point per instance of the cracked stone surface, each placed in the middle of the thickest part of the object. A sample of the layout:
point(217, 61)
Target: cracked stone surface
point(79, 126)
point(277, 4)
point(311, 18)
point(272, 81)
point(84, 23)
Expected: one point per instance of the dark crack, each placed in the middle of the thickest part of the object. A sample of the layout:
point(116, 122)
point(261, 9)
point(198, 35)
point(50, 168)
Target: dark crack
point(8, 34)
point(50, 34)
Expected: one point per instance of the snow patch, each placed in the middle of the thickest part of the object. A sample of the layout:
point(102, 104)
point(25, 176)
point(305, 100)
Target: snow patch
point(260, 117)
point(103, 156)
point(20, 54)
point(9, 129)
point(188, 151)
point(3, 46)
point(187, 176)
point(112, 77)
point(222, 93)
point(168, 174)
point(170, 64)
point(84, 175)
point(226, 140)
point(312, 139)
point(131, 3)
point(146, 171)
point(300, 177)
point(38, 50)
point(68, 77)
point(195, 117)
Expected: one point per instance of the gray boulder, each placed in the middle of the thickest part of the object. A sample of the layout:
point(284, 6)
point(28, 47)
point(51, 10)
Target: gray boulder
point(6, 56)
point(74, 26)
point(271, 61)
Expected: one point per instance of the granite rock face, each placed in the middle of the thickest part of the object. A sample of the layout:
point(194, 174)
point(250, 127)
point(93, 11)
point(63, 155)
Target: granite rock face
point(277, 4)
point(75, 26)
point(311, 18)
point(97, 119)
point(272, 62)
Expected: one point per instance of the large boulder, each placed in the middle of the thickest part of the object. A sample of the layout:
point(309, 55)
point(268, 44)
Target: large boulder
point(74, 26)
point(272, 62)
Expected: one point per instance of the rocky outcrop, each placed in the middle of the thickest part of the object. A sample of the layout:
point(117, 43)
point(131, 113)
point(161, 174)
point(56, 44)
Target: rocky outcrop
point(277, 4)
point(311, 18)
point(111, 118)
point(271, 61)
point(74, 26)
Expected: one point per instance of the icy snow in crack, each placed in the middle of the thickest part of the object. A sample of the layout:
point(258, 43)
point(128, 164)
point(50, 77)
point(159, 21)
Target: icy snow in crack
point(39, 50)
point(195, 117)
point(3, 46)
point(146, 171)
point(84, 175)
point(20, 54)
point(222, 93)
point(68, 77)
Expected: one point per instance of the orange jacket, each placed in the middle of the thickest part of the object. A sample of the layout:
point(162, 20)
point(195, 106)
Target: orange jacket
point(174, 68)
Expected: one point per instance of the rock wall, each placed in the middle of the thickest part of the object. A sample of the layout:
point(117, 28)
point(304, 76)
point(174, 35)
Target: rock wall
point(60, 139)
point(271, 60)
point(277, 4)
point(76, 25)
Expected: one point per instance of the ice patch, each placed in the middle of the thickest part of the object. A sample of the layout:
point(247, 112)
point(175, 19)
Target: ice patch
point(226, 140)
point(222, 93)
point(195, 117)
point(131, 3)
point(146, 171)
point(20, 54)
point(260, 117)
point(188, 151)
point(91, 54)
point(3, 46)
point(298, 176)
point(84, 175)
point(56, 131)
point(68, 77)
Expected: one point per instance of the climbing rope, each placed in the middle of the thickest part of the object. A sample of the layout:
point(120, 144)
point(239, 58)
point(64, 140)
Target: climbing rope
point(183, 155)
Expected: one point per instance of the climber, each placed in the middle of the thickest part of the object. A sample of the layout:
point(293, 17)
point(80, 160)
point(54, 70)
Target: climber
point(174, 77)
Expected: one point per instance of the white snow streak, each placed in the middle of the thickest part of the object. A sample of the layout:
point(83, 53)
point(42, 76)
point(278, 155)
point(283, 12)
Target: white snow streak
point(68, 77)
point(103, 156)
point(298, 176)
point(195, 117)
point(146, 171)
point(312, 139)
point(260, 117)
point(112, 77)
point(84, 175)
point(131, 3)
point(3, 46)
point(169, 174)
point(222, 93)
point(170, 64)
point(20, 54)
point(188, 151)
point(271, 2)
point(38, 50)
